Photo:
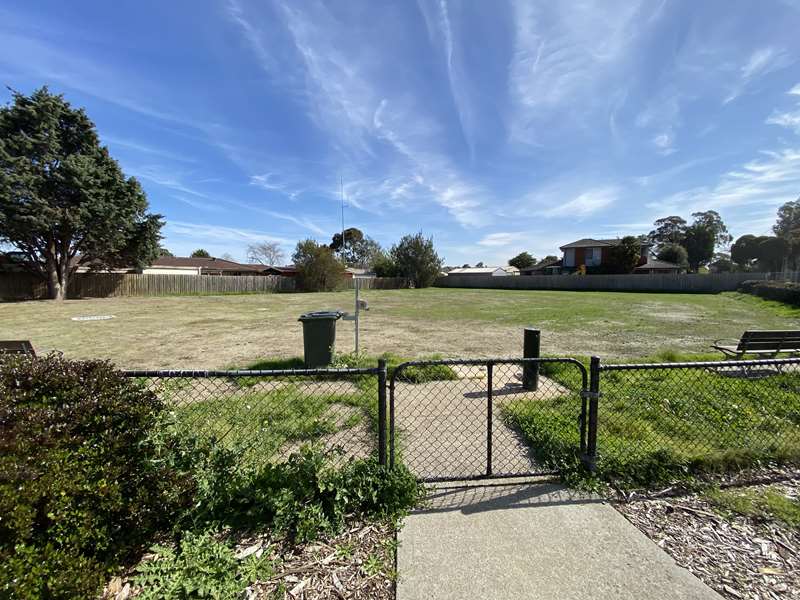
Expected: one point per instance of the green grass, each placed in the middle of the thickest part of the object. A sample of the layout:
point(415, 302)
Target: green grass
point(763, 504)
point(210, 332)
point(659, 425)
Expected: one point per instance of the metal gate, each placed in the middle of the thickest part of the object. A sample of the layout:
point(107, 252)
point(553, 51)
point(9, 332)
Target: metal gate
point(476, 419)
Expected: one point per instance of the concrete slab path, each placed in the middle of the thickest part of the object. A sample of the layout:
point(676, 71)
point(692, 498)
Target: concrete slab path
point(532, 540)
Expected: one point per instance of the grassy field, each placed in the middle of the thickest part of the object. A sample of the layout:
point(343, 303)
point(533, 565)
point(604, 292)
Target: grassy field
point(654, 425)
point(221, 331)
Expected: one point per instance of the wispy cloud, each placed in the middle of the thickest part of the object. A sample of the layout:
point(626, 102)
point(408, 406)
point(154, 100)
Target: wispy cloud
point(203, 231)
point(760, 62)
point(586, 204)
point(790, 118)
point(562, 53)
point(665, 143)
point(760, 185)
point(502, 239)
point(440, 32)
point(274, 182)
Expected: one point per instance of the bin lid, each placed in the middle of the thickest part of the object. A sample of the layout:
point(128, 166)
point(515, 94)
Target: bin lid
point(321, 314)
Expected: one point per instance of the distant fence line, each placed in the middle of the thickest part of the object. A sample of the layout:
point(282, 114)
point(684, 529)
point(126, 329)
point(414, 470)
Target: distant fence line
point(24, 286)
point(706, 283)
point(378, 283)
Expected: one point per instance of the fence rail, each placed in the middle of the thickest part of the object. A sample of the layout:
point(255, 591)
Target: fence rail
point(703, 283)
point(24, 286)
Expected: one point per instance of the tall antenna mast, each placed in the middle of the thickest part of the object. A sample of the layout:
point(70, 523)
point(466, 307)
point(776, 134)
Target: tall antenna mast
point(341, 187)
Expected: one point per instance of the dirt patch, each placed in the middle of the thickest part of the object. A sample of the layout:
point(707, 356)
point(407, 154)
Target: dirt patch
point(352, 436)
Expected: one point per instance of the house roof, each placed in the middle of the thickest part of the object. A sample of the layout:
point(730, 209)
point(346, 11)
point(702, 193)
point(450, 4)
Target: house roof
point(541, 266)
point(475, 270)
point(654, 263)
point(597, 242)
point(211, 264)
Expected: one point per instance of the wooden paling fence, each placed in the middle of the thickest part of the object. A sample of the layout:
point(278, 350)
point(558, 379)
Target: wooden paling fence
point(704, 283)
point(23, 286)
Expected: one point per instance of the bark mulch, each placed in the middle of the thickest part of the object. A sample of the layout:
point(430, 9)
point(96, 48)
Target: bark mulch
point(739, 557)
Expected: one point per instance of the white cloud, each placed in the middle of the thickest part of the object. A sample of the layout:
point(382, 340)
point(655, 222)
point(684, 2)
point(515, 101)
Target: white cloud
point(665, 143)
point(562, 55)
point(502, 239)
point(202, 232)
point(585, 204)
point(762, 184)
point(788, 119)
point(274, 182)
point(760, 62)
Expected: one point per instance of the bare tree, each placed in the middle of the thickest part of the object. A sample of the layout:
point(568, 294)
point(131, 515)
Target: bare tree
point(265, 253)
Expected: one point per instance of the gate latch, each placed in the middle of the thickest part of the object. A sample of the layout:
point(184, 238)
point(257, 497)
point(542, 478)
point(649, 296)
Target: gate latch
point(590, 395)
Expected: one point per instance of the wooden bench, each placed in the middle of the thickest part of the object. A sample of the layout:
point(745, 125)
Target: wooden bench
point(762, 343)
point(16, 347)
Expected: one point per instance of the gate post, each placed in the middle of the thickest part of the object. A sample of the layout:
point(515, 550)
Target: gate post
point(531, 347)
point(489, 397)
point(594, 396)
point(382, 412)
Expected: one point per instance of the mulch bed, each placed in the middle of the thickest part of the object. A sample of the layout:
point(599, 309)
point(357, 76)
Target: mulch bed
point(321, 570)
point(739, 557)
point(343, 567)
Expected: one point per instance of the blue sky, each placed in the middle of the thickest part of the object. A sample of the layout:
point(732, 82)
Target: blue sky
point(495, 127)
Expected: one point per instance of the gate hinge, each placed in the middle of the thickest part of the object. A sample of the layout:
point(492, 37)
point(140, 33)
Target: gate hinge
point(590, 395)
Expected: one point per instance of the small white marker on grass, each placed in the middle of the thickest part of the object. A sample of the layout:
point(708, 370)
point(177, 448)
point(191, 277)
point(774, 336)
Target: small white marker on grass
point(94, 318)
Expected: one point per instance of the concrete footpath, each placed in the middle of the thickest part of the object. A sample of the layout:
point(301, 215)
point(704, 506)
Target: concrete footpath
point(531, 540)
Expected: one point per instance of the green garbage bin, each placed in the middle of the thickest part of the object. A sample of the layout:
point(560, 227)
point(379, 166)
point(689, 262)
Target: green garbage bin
point(319, 336)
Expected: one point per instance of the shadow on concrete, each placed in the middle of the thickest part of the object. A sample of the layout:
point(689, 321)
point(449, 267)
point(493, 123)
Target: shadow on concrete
point(472, 498)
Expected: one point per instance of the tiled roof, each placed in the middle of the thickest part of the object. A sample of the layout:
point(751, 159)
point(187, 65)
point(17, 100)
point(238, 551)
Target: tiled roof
point(213, 264)
point(595, 242)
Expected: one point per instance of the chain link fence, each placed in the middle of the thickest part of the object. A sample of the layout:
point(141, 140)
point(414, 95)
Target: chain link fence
point(267, 415)
point(657, 419)
point(469, 419)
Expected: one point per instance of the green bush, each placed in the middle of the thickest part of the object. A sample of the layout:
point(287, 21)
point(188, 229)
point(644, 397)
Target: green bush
point(781, 291)
point(79, 492)
point(308, 495)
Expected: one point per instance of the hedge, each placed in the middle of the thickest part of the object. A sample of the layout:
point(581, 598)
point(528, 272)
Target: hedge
point(781, 291)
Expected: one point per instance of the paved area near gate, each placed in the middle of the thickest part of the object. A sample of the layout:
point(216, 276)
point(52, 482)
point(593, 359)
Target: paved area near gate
point(442, 425)
point(502, 540)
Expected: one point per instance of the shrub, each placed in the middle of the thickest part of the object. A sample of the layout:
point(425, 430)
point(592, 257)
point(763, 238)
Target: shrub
point(78, 490)
point(781, 291)
point(308, 496)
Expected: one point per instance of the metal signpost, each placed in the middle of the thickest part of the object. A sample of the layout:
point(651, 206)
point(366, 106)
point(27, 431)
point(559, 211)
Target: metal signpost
point(358, 306)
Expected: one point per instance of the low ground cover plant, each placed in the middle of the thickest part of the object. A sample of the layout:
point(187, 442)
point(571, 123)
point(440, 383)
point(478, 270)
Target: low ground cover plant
point(657, 425)
point(94, 468)
point(782, 291)
point(763, 504)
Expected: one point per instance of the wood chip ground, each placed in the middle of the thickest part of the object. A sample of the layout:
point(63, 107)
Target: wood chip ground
point(739, 557)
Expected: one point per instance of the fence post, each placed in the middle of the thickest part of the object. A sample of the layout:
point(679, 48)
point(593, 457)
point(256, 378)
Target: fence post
point(594, 396)
point(382, 411)
point(531, 347)
point(489, 398)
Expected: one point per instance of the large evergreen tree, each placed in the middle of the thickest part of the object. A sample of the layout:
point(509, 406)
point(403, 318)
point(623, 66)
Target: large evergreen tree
point(64, 202)
point(415, 257)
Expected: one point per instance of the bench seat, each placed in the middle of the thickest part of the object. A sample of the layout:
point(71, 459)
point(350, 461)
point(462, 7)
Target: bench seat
point(762, 343)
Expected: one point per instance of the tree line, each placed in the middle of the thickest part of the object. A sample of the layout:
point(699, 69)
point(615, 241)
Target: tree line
point(65, 203)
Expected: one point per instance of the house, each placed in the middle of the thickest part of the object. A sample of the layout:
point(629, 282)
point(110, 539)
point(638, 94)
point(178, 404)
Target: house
point(181, 265)
point(550, 266)
point(511, 270)
point(287, 271)
point(593, 253)
point(654, 266)
point(482, 271)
